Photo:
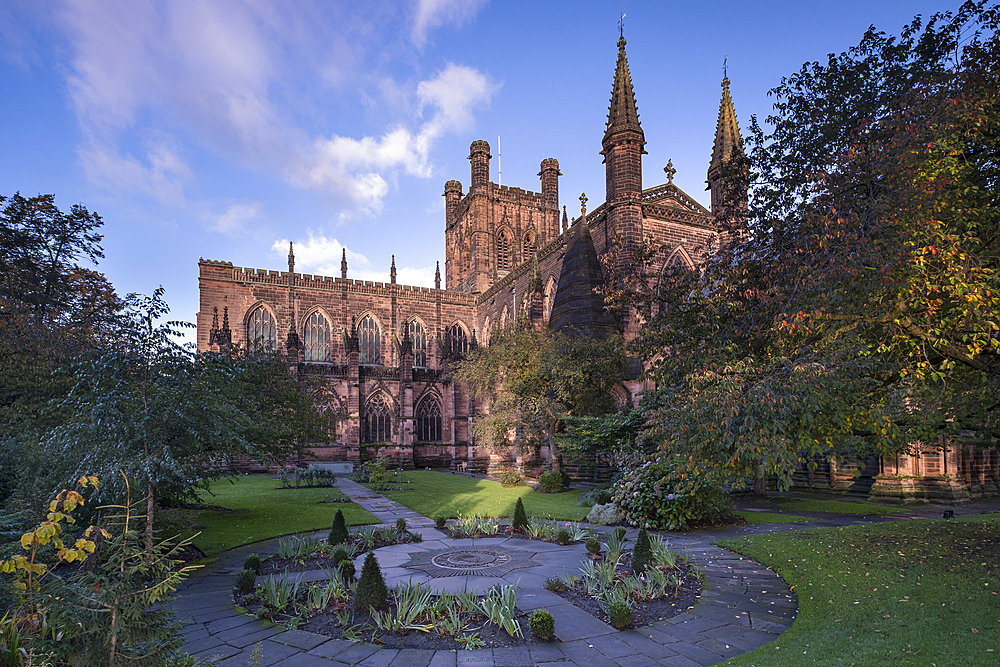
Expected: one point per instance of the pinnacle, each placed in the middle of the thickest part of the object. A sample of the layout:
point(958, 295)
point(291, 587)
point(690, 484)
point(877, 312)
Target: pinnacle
point(727, 131)
point(623, 113)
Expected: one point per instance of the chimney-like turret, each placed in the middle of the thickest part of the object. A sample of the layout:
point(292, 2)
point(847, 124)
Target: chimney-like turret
point(479, 155)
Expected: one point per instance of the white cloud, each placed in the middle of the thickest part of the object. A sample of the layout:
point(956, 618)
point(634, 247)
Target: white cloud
point(357, 167)
point(239, 80)
point(321, 256)
point(235, 218)
point(430, 14)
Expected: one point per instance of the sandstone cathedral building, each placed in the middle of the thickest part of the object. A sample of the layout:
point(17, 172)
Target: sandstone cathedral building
point(383, 348)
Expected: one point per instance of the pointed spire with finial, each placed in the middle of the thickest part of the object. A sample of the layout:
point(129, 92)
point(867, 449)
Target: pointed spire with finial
point(437, 275)
point(565, 222)
point(622, 114)
point(392, 271)
point(727, 130)
point(343, 264)
point(291, 258)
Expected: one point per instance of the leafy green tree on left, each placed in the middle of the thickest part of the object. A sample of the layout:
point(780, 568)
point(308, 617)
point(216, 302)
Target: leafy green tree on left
point(169, 419)
point(53, 307)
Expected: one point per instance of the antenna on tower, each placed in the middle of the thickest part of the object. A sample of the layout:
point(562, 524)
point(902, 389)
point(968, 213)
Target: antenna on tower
point(499, 163)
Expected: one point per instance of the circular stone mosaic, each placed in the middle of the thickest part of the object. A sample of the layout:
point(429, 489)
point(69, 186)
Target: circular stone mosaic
point(478, 561)
point(470, 560)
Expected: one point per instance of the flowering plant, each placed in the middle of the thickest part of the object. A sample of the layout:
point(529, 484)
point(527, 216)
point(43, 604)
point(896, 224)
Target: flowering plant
point(668, 492)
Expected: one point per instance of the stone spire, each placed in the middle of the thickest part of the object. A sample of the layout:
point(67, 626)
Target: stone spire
point(437, 275)
point(622, 114)
point(343, 264)
point(727, 131)
point(291, 258)
point(392, 271)
point(565, 220)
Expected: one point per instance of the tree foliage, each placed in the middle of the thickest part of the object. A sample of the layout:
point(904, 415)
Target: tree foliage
point(530, 381)
point(856, 313)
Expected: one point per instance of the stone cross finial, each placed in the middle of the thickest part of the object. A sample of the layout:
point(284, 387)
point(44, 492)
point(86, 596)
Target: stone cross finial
point(583, 205)
point(670, 171)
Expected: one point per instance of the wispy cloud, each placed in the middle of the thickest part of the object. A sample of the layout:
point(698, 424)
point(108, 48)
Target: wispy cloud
point(430, 14)
point(357, 167)
point(320, 255)
point(155, 86)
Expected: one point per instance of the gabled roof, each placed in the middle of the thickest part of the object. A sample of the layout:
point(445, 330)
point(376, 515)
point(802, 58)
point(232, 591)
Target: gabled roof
point(577, 310)
point(727, 131)
point(622, 114)
point(670, 195)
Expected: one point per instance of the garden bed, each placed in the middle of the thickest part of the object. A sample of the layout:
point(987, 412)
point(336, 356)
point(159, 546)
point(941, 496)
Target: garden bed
point(302, 554)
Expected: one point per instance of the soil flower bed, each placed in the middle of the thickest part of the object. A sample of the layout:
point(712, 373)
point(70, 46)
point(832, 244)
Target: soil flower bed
point(302, 554)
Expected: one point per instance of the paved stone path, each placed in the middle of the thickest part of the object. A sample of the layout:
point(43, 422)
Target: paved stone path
point(743, 605)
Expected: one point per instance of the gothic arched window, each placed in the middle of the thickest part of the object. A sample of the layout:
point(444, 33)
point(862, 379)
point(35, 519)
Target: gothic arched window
point(503, 251)
point(429, 421)
point(418, 338)
point(487, 331)
point(369, 342)
point(458, 340)
point(378, 420)
point(550, 297)
point(529, 245)
point(261, 330)
point(317, 338)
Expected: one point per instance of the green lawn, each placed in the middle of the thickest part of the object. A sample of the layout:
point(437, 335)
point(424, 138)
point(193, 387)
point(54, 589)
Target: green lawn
point(838, 506)
point(261, 510)
point(433, 493)
point(771, 517)
point(907, 593)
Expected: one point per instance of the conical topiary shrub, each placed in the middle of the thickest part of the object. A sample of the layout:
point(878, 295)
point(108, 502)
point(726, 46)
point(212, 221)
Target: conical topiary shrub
point(642, 555)
point(338, 534)
point(371, 591)
point(520, 519)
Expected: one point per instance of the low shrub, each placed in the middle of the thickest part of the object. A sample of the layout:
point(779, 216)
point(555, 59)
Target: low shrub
point(252, 563)
point(440, 521)
point(619, 610)
point(594, 497)
point(246, 580)
point(620, 533)
point(542, 623)
point(593, 545)
point(669, 492)
point(338, 533)
point(562, 537)
point(371, 592)
point(339, 555)
point(550, 482)
point(510, 478)
point(347, 569)
point(401, 524)
point(520, 518)
point(555, 584)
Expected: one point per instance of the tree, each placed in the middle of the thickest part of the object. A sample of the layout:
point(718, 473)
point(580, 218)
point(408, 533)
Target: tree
point(52, 308)
point(857, 311)
point(531, 380)
point(171, 420)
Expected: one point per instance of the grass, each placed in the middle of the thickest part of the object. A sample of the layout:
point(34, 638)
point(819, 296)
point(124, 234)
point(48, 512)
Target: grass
point(838, 506)
point(434, 493)
point(261, 510)
point(914, 592)
point(772, 517)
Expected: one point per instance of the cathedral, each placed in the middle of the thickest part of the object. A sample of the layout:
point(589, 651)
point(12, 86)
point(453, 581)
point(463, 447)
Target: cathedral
point(383, 348)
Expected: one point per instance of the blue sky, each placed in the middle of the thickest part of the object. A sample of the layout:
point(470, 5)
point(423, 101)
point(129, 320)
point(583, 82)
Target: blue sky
point(224, 129)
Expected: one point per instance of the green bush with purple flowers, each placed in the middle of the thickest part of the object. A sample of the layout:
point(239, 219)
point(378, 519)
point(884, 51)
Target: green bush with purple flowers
point(670, 492)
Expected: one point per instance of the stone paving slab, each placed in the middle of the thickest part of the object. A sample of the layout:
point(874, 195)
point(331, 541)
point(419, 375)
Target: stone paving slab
point(743, 606)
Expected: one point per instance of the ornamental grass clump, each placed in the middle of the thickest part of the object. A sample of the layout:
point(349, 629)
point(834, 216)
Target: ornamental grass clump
point(338, 533)
point(642, 554)
point(371, 592)
point(542, 623)
point(520, 518)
